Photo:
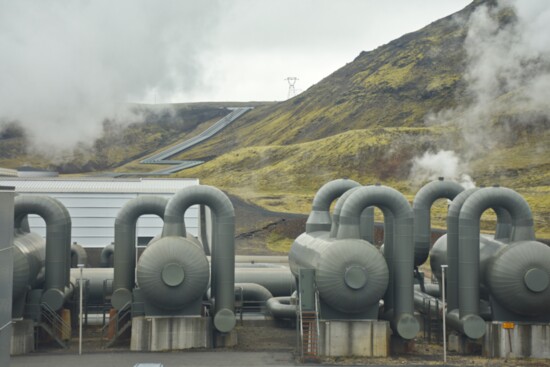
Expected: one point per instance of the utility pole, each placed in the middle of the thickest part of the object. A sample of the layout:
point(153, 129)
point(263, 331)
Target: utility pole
point(291, 83)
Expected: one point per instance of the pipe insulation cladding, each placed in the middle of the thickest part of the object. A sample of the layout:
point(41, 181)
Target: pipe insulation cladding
point(125, 244)
point(350, 274)
point(319, 218)
point(58, 243)
point(28, 262)
point(469, 238)
point(223, 244)
point(422, 204)
point(402, 265)
point(172, 272)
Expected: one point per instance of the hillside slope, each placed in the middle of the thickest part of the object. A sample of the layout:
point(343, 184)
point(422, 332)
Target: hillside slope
point(371, 121)
point(373, 118)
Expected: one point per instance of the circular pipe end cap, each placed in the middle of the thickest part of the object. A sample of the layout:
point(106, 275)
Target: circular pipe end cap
point(473, 326)
point(172, 274)
point(356, 277)
point(407, 326)
point(224, 320)
point(536, 280)
point(54, 298)
point(121, 297)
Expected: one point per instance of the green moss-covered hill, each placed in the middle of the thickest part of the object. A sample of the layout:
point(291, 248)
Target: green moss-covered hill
point(365, 121)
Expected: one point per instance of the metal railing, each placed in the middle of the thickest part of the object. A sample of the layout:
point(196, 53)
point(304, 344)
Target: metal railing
point(53, 324)
point(120, 321)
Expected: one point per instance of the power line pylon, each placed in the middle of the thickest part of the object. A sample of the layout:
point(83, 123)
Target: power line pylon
point(291, 83)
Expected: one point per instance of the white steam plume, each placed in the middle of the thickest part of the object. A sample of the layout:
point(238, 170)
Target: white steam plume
point(507, 78)
point(445, 163)
point(67, 65)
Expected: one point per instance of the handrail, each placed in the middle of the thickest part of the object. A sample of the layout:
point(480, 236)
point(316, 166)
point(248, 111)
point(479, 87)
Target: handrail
point(54, 320)
point(124, 312)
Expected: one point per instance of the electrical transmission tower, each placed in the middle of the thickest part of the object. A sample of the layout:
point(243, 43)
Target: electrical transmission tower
point(291, 83)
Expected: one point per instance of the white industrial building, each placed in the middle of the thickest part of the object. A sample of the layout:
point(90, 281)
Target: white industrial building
point(94, 203)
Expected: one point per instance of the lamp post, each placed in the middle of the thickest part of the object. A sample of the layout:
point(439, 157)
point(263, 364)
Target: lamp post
point(443, 269)
point(80, 266)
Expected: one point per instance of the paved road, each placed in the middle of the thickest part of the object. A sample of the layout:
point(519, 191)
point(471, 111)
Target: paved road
point(171, 359)
point(168, 359)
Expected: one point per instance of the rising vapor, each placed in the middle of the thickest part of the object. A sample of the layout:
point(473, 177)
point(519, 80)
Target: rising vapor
point(507, 77)
point(67, 65)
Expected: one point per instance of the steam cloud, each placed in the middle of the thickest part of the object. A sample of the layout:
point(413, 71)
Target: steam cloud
point(67, 65)
point(507, 74)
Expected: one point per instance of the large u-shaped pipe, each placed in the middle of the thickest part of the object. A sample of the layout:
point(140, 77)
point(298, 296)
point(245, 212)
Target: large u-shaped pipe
point(473, 326)
point(125, 244)
point(319, 218)
point(469, 237)
point(366, 222)
point(422, 204)
point(223, 244)
point(58, 243)
point(404, 321)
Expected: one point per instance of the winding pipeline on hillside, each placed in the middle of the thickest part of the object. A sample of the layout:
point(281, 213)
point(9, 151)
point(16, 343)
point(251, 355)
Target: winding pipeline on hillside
point(176, 166)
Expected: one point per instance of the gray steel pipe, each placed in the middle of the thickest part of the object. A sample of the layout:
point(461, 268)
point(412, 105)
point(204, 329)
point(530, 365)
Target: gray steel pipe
point(223, 244)
point(319, 218)
point(107, 253)
point(422, 204)
point(58, 243)
point(78, 255)
point(469, 238)
point(402, 265)
point(125, 244)
point(281, 307)
point(452, 246)
point(366, 222)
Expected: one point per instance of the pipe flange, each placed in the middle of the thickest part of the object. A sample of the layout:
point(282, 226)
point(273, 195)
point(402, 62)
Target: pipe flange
point(172, 274)
point(536, 280)
point(356, 277)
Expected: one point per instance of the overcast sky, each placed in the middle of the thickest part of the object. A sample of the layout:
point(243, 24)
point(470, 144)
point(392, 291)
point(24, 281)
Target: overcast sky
point(65, 65)
point(257, 44)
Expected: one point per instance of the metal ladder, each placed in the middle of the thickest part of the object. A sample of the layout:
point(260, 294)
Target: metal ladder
point(308, 321)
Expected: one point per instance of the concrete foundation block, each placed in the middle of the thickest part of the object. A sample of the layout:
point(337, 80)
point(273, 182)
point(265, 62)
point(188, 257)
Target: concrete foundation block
point(365, 338)
point(22, 337)
point(516, 340)
point(462, 344)
point(153, 334)
point(226, 340)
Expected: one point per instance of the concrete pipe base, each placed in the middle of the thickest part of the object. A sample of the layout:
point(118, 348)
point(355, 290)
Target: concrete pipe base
point(22, 337)
point(164, 333)
point(366, 338)
point(516, 340)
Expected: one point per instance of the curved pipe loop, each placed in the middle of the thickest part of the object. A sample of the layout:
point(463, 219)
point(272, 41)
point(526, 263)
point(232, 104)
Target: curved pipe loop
point(281, 307)
point(58, 243)
point(78, 255)
point(223, 244)
point(319, 219)
point(402, 265)
point(107, 255)
point(125, 244)
point(366, 221)
point(469, 238)
point(422, 205)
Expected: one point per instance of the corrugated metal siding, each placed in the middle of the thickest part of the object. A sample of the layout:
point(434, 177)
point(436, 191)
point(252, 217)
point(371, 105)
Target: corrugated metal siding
point(94, 205)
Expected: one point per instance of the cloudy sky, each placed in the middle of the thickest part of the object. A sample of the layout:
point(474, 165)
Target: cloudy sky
point(71, 63)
